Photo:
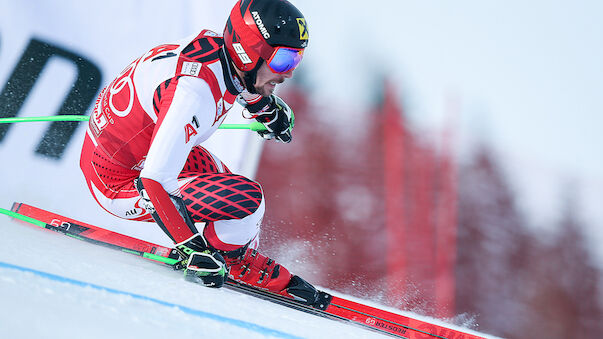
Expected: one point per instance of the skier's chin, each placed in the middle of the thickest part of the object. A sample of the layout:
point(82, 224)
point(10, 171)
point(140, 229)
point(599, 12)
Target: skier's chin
point(266, 90)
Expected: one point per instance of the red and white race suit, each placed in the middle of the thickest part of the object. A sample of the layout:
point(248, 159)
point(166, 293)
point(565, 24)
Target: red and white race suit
point(148, 123)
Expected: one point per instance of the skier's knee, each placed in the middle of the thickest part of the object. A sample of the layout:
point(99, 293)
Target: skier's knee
point(221, 196)
point(234, 233)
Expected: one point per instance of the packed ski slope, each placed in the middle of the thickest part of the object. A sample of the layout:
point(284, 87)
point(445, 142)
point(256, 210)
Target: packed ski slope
point(52, 286)
point(138, 298)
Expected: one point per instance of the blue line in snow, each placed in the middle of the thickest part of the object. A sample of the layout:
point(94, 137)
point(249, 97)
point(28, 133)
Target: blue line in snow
point(235, 322)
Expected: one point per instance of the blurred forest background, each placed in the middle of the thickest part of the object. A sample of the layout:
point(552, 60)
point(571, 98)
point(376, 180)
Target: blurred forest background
point(392, 214)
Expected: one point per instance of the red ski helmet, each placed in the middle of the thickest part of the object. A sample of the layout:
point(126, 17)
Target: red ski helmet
point(273, 31)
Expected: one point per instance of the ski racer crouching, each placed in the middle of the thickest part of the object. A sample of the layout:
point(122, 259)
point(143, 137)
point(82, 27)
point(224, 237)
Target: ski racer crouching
point(141, 156)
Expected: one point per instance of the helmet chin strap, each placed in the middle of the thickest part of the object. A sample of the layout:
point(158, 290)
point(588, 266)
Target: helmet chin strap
point(250, 77)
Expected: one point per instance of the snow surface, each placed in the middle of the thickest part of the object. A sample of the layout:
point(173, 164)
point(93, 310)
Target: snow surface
point(53, 286)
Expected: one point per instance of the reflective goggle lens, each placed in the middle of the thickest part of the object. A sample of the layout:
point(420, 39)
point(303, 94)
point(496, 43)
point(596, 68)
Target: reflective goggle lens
point(285, 59)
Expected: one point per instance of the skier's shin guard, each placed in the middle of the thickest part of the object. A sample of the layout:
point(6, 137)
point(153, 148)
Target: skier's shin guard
point(168, 211)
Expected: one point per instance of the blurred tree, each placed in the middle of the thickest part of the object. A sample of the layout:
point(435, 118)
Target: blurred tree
point(517, 284)
point(564, 296)
point(492, 243)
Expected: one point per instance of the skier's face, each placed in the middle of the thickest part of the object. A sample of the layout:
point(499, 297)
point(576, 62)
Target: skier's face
point(266, 80)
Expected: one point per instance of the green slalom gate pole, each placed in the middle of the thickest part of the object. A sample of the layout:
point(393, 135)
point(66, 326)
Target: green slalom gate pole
point(254, 126)
point(23, 217)
point(42, 224)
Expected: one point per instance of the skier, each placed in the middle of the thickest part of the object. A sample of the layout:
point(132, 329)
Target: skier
point(141, 156)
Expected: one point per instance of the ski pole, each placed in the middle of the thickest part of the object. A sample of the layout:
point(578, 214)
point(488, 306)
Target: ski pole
point(65, 231)
point(22, 217)
point(254, 126)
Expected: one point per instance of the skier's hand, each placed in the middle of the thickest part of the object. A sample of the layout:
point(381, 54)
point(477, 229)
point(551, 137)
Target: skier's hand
point(276, 115)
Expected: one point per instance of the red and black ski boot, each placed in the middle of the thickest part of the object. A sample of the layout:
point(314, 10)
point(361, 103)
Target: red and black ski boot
point(249, 267)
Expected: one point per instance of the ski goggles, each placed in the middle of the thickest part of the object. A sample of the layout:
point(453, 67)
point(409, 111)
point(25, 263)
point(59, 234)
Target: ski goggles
point(285, 59)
